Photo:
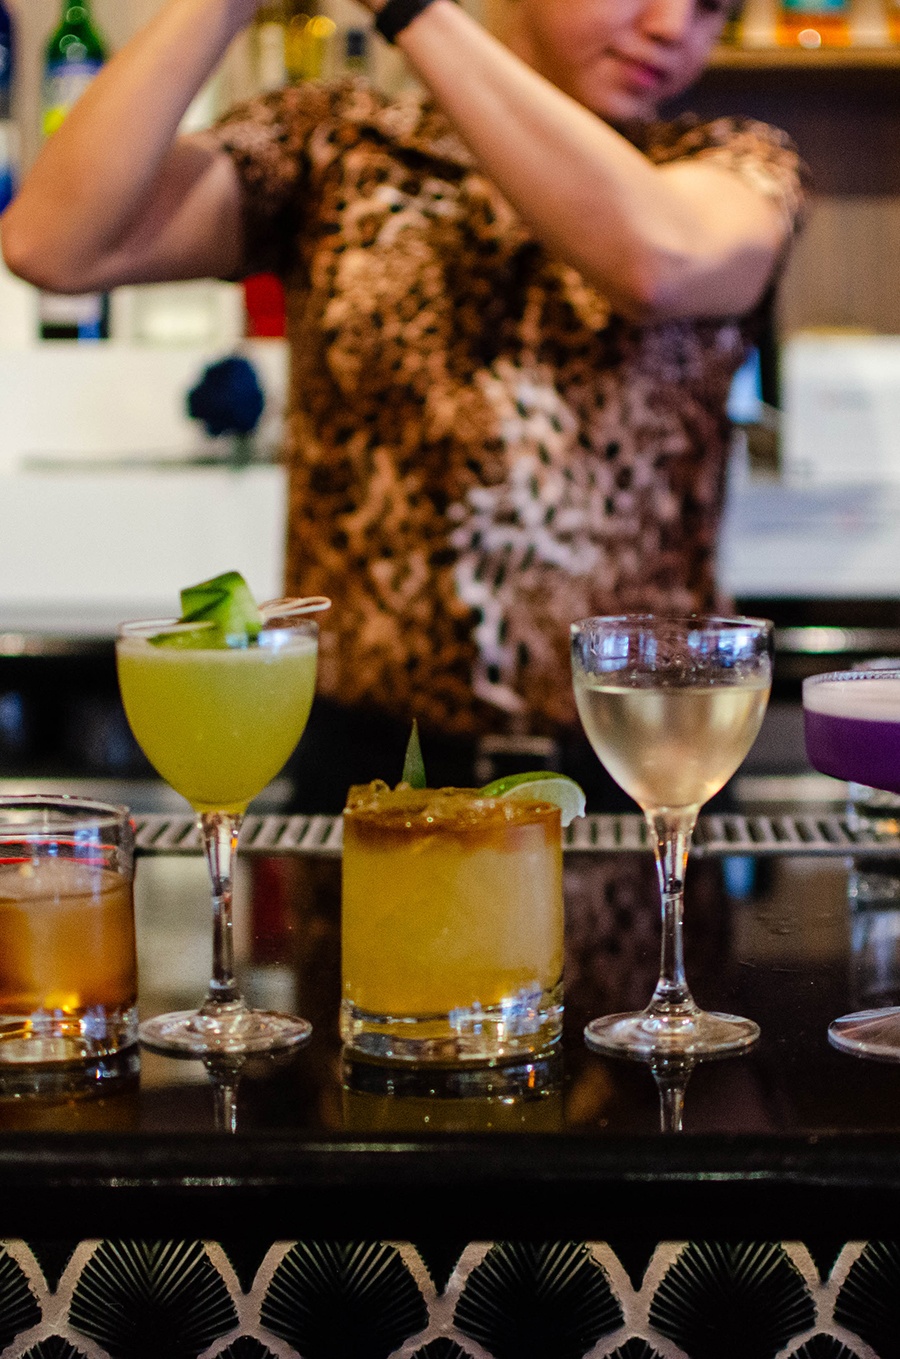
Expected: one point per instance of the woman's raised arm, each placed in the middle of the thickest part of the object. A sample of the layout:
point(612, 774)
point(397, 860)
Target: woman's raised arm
point(691, 238)
point(115, 195)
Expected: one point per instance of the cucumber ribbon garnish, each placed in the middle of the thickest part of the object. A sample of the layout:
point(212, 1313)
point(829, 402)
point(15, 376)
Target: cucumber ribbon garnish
point(222, 612)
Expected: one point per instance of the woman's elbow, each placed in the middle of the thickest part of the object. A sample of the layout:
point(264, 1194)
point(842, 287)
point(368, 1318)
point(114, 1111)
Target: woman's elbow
point(640, 295)
point(641, 285)
point(28, 254)
point(671, 285)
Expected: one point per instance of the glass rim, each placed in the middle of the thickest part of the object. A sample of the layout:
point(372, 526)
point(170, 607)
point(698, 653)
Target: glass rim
point(697, 620)
point(70, 808)
point(137, 627)
point(420, 816)
point(844, 676)
point(142, 629)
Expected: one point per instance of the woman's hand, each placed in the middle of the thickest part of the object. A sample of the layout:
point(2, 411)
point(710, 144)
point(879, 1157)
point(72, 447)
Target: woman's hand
point(114, 196)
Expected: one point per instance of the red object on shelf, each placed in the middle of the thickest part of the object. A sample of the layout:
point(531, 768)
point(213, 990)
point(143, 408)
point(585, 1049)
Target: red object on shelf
point(264, 301)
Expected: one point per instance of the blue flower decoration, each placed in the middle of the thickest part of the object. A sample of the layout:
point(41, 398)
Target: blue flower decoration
point(228, 398)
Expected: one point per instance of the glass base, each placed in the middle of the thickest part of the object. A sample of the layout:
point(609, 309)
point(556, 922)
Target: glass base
point(481, 1035)
point(226, 1030)
point(868, 1033)
point(54, 1038)
point(644, 1034)
point(23, 1086)
point(524, 1096)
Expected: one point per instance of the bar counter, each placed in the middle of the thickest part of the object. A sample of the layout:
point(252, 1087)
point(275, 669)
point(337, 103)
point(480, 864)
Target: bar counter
point(791, 921)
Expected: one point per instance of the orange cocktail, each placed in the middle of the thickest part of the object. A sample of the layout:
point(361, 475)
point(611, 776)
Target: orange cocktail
point(66, 938)
point(452, 924)
point(68, 973)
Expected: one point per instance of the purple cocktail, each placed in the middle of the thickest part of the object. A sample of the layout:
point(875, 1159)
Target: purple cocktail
point(852, 725)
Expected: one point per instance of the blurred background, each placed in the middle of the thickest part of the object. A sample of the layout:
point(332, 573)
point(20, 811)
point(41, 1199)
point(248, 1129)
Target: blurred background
point(112, 496)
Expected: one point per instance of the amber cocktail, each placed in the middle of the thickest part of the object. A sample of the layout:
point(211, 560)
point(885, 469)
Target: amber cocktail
point(68, 978)
point(452, 925)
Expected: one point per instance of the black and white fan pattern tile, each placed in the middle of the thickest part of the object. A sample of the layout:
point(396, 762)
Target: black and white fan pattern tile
point(440, 1300)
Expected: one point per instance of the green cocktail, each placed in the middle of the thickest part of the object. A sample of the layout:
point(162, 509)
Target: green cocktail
point(218, 725)
point(218, 711)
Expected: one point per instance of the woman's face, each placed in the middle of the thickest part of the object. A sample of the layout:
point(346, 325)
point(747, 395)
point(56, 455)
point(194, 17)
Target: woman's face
point(620, 58)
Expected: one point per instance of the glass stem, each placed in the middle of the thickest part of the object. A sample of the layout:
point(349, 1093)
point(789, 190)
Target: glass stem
point(225, 1073)
point(671, 1078)
point(220, 837)
point(672, 837)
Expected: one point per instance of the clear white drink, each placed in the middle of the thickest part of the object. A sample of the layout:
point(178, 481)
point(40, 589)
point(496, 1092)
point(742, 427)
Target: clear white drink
point(671, 705)
point(671, 745)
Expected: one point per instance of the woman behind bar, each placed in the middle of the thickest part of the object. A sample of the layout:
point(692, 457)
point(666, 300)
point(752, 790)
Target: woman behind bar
point(515, 305)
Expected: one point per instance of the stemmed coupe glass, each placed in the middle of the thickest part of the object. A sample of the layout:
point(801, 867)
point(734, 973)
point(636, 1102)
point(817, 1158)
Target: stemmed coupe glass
point(671, 706)
point(217, 723)
point(851, 720)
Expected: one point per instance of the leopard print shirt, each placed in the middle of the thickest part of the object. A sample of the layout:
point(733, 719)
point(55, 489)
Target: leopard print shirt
point(480, 450)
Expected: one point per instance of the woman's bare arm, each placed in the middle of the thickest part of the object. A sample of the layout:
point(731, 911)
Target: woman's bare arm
point(115, 196)
point(686, 239)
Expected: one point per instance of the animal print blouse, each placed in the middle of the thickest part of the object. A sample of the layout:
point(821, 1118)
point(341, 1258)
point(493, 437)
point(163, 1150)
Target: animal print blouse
point(480, 450)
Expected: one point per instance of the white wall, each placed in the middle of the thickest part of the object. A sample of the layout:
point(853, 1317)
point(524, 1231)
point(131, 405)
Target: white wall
point(828, 542)
point(124, 543)
point(61, 401)
point(101, 513)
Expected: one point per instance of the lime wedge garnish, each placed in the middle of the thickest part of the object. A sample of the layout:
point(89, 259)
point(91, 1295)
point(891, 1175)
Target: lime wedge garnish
point(542, 786)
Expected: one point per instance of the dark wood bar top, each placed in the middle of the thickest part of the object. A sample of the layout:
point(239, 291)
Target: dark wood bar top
point(793, 1137)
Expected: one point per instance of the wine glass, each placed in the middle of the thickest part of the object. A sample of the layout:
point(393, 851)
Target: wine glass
point(671, 706)
point(851, 721)
point(218, 723)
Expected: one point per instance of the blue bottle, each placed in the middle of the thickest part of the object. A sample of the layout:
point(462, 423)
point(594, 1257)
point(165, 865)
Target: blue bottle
point(7, 127)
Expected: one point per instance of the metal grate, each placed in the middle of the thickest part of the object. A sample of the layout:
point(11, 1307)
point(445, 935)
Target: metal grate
point(159, 834)
point(715, 835)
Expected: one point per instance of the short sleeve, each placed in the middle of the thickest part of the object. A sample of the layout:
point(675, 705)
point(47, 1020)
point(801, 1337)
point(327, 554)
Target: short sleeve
point(268, 140)
point(763, 156)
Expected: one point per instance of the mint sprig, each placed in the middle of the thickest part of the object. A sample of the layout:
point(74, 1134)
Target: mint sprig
point(413, 764)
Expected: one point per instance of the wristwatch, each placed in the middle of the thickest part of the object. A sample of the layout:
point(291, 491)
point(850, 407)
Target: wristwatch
point(394, 16)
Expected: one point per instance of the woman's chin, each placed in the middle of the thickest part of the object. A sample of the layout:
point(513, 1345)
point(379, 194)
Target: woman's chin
point(622, 107)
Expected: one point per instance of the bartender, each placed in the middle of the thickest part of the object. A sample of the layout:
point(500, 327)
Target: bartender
point(516, 299)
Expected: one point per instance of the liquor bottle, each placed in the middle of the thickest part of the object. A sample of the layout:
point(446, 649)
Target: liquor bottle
point(8, 137)
point(356, 51)
point(7, 61)
point(731, 30)
point(814, 23)
point(74, 55)
point(269, 41)
point(309, 46)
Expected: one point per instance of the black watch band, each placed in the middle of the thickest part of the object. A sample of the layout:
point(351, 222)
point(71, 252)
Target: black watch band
point(393, 17)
